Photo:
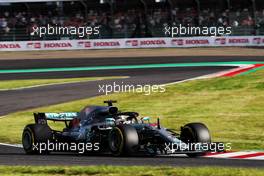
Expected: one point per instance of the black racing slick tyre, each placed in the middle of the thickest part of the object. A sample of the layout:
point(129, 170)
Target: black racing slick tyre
point(123, 140)
point(195, 133)
point(33, 135)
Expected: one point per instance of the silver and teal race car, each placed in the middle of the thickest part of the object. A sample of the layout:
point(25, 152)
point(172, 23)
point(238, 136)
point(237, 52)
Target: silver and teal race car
point(105, 129)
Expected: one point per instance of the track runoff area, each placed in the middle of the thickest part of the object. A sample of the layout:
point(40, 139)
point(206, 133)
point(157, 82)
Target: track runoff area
point(236, 68)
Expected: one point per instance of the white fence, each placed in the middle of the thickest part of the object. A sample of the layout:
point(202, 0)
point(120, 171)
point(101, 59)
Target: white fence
point(133, 43)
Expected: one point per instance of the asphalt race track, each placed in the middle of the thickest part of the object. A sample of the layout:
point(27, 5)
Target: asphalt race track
point(15, 100)
point(16, 156)
point(40, 96)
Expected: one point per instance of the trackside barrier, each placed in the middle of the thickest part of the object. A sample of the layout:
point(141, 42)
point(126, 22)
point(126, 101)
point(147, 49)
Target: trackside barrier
point(133, 43)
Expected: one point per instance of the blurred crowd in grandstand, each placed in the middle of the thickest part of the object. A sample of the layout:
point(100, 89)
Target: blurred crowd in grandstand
point(131, 22)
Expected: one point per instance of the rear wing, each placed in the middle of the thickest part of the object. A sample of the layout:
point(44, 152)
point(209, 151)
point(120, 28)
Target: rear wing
point(41, 118)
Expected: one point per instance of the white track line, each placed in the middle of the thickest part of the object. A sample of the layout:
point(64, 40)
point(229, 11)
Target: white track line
point(221, 73)
point(214, 75)
point(256, 158)
point(11, 145)
point(53, 84)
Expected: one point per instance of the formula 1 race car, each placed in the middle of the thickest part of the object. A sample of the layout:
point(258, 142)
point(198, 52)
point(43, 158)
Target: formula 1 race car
point(108, 130)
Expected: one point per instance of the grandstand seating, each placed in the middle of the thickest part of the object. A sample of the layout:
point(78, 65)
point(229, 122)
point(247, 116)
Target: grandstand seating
point(126, 19)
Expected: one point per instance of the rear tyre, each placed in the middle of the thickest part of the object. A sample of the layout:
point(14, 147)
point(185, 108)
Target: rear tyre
point(123, 140)
point(195, 133)
point(33, 135)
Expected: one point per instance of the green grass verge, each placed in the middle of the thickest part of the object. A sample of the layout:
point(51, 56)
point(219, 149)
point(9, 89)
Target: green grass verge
point(127, 171)
point(232, 108)
point(16, 84)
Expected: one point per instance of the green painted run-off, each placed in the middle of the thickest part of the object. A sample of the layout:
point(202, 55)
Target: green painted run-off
point(116, 67)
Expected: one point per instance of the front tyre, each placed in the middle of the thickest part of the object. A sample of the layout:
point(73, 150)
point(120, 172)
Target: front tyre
point(195, 133)
point(123, 140)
